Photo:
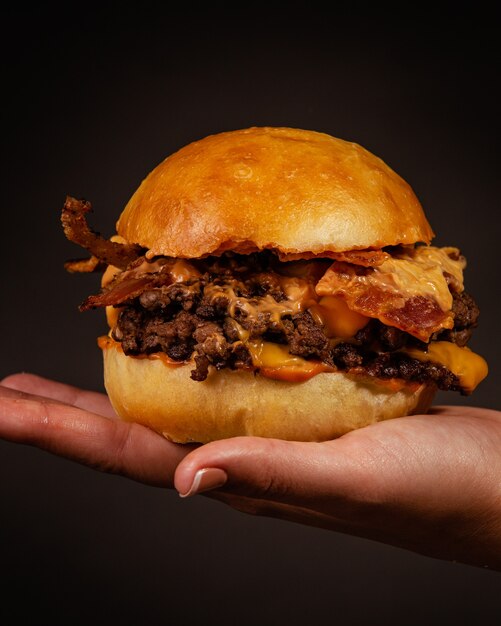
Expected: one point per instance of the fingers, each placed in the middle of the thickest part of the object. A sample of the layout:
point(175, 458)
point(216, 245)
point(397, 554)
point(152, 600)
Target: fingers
point(108, 445)
point(298, 474)
point(367, 470)
point(89, 400)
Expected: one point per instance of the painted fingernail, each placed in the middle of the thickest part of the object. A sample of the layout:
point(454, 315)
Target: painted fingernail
point(205, 480)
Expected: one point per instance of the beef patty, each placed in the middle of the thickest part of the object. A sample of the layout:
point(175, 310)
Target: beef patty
point(207, 318)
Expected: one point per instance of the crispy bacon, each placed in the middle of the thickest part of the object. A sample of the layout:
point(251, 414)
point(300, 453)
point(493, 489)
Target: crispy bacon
point(418, 316)
point(84, 266)
point(119, 291)
point(370, 293)
point(131, 283)
point(365, 258)
point(77, 230)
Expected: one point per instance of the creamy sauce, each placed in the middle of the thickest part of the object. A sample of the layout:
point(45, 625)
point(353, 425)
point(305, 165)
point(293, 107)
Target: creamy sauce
point(420, 272)
point(300, 295)
point(423, 271)
point(412, 273)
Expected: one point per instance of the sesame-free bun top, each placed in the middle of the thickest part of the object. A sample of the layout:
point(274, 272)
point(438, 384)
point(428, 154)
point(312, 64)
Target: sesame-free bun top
point(286, 189)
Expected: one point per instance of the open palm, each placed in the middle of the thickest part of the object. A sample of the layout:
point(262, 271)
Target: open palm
point(428, 483)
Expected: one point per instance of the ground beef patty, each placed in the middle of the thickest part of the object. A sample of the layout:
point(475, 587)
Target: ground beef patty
point(182, 321)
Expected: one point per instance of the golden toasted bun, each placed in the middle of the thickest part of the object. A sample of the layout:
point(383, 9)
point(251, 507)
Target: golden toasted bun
point(280, 188)
point(232, 403)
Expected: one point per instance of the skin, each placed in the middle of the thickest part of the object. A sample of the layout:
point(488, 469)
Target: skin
point(426, 483)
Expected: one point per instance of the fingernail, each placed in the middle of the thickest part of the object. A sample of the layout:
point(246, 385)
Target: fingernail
point(205, 480)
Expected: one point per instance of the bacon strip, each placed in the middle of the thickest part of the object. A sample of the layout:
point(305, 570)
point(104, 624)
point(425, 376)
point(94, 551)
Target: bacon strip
point(119, 291)
point(77, 230)
point(131, 283)
point(365, 258)
point(84, 266)
point(370, 293)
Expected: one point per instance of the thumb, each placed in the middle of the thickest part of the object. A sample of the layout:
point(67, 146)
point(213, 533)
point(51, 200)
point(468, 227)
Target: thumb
point(296, 473)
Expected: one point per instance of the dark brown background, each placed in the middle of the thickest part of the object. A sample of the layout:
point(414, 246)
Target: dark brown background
point(93, 99)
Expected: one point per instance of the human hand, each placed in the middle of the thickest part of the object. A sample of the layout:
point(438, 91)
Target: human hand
point(82, 426)
point(428, 483)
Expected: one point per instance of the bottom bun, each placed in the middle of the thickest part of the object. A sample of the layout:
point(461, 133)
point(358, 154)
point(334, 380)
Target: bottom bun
point(231, 403)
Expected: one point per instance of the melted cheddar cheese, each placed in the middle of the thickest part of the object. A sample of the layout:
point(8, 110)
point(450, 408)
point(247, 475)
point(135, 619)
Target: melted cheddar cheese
point(337, 319)
point(423, 271)
point(468, 366)
point(267, 354)
point(275, 361)
point(109, 274)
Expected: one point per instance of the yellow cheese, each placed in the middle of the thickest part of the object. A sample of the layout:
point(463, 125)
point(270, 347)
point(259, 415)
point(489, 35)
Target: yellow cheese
point(275, 361)
point(112, 314)
point(337, 319)
point(468, 366)
point(267, 354)
point(111, 271)
point(109, 274)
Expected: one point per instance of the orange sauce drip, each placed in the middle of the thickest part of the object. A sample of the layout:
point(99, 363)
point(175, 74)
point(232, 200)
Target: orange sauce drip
point(107, 342)
point(296, 374)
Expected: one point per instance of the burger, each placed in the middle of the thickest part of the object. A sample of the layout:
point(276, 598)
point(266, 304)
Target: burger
point(275, 282)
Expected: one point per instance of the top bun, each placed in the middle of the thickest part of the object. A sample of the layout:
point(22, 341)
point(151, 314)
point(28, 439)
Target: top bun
point(293, 191)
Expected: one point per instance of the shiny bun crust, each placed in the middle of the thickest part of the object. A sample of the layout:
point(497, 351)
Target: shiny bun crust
point(281, 188)
point(233, 403)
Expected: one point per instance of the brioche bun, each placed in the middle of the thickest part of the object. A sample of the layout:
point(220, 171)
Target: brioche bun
point(295, 192)
point(280, 188)
point(233, 403)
